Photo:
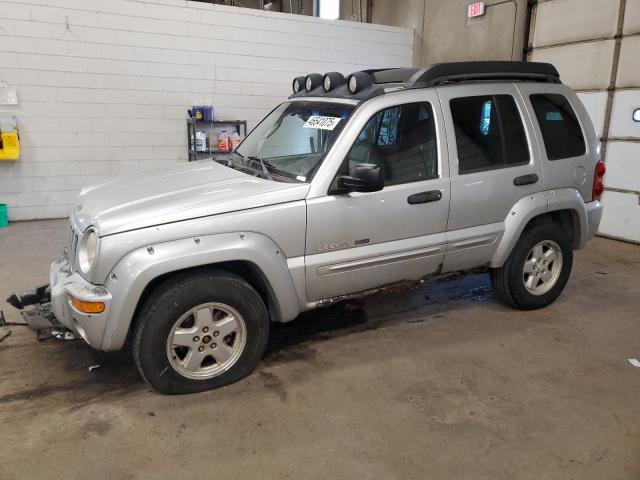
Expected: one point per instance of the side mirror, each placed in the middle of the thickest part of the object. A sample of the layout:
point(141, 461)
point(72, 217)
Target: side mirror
point(367, 177)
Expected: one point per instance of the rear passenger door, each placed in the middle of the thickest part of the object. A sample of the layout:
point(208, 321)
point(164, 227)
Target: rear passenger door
point(492, 165)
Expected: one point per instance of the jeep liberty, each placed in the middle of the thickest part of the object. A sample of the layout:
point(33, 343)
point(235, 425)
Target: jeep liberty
point(353, 184)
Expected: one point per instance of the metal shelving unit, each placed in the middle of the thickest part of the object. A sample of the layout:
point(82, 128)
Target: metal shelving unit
point(209, 127)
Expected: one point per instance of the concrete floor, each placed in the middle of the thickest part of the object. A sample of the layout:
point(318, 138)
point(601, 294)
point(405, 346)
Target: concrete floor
point(438, 382)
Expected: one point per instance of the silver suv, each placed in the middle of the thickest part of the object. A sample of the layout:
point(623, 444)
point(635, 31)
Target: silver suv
point(352, 185)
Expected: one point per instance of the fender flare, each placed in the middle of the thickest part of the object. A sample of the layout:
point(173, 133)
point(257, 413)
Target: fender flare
point(520, 214)
point(134, 272)
point(570, 199)
point(537, 204)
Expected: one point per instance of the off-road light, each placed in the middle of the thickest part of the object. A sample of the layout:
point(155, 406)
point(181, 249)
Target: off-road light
point(298, 84)
point(333, 80)
point(313, 81)
point(358, 81)
point(353, 84)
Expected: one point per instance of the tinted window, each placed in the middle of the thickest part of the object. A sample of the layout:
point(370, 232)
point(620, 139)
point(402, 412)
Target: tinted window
point(559, 125)
point(489, 133)
point(402, 140)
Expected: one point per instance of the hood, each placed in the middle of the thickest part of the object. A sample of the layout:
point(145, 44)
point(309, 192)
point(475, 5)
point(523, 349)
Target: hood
point(192, 190)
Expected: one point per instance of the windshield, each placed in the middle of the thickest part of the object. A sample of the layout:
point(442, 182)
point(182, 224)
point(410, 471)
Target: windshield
point(291, 142)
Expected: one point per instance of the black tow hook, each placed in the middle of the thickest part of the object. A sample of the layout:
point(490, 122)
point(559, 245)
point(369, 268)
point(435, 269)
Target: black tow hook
point(41, 294)
point(4, 323)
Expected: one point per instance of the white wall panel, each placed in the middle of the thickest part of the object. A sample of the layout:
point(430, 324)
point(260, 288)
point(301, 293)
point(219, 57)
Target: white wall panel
point(632, 17)
point(109, 94)
point(622, 125)
point(595, 103)
point(620, 216)
point(582, 65)
point(629, 63)
point(575, 29)
point(564, 21)
point(623, 166)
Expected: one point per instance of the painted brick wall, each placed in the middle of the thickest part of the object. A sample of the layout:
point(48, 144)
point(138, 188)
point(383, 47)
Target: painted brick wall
point(104, 84)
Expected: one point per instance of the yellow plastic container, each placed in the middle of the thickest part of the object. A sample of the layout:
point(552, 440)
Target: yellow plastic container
point(10, 146)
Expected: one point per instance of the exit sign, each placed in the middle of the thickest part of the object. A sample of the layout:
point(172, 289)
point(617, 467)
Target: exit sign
point(475, 10)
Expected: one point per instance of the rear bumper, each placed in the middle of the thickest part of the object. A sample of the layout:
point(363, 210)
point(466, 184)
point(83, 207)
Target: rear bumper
point(90, 327)
point(594, 215)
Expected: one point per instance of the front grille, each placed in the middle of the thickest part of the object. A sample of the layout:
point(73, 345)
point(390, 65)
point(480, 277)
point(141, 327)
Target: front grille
point(72, 246)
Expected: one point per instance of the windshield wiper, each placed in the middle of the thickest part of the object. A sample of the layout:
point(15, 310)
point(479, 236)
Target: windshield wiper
point(264, 165)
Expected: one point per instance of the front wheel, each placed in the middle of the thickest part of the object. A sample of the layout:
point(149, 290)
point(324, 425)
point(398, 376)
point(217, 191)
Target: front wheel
point(538, 268)
point(200, 331)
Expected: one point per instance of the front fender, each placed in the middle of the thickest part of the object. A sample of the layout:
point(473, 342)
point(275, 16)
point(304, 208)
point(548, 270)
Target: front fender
point(136, 270)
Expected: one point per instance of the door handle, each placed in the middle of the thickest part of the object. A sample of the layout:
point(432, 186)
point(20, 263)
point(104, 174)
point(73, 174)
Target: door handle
point(424, 197)
point(525, 180)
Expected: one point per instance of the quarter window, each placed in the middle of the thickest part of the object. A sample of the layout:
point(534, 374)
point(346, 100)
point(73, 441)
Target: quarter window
point(489, 133)
point(402, 140)
point(559, 125)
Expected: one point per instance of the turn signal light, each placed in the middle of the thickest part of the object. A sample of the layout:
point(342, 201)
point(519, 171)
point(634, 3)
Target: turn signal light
point(86, 307)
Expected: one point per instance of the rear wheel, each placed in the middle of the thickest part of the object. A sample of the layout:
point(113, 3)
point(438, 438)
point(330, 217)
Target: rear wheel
point(200, 331)
point(538, 268)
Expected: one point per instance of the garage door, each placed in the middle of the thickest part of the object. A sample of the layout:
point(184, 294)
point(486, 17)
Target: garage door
point(595, 45)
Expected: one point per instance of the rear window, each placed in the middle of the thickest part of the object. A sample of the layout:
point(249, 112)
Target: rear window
point(489, 133)
point(559, 125)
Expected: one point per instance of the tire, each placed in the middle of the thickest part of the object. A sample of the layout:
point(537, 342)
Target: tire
point(184, 339)
point(526, 291)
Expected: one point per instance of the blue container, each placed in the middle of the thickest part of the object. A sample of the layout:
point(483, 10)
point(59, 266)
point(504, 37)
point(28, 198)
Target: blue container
point(198, 113)
point(207, 113)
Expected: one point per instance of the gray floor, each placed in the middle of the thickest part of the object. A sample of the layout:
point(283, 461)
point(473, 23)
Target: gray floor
point(438, 382)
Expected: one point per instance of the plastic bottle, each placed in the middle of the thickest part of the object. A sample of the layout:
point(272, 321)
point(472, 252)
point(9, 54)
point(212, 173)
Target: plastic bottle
point(207, 111)
point(235, 140)
point(201, 142)
point(223, 141)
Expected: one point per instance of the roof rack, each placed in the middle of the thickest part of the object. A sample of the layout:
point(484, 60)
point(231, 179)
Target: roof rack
point(392, 75)
point(440, 74)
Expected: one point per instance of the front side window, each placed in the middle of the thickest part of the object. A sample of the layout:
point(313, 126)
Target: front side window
point(402, 140)
point(489, 133)
point(291, 142)
point(559, 125)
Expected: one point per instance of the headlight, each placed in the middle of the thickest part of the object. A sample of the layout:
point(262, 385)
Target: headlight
point(88, 250)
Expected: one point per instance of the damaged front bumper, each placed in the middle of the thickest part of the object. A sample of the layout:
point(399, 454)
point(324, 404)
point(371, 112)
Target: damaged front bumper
point(50, 306)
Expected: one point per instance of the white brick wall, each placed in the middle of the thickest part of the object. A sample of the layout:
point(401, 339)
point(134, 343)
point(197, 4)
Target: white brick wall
point(109, 94)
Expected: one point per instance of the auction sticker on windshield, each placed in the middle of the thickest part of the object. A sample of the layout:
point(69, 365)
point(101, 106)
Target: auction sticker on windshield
point(323, 123)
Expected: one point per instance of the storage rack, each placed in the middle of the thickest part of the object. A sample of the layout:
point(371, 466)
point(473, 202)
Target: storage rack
point(193, 126)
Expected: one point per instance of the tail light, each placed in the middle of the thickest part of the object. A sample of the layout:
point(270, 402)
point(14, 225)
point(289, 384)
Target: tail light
point(598, 183)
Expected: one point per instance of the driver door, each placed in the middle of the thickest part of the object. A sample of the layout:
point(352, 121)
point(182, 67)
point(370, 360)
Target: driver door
point(361, 241)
